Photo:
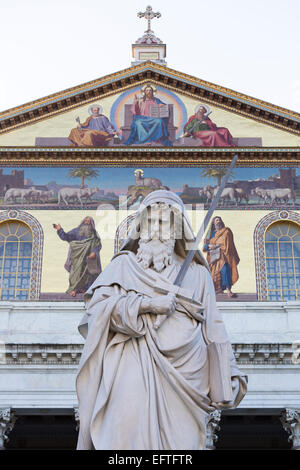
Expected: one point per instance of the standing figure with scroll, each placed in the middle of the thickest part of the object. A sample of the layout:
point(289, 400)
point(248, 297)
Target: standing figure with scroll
point(150, 119)
point(222, 256)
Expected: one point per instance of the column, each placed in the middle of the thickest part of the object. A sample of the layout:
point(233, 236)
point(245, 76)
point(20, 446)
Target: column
point(76, 416)
point(7, 422)
point(212, 428)
point(290, 419)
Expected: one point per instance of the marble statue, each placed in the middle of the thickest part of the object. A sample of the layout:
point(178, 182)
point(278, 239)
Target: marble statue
point(141, 387)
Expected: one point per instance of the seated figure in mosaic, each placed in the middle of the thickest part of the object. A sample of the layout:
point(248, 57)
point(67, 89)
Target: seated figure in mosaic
point(144, 128)
point(96, 131)
point(201, 127)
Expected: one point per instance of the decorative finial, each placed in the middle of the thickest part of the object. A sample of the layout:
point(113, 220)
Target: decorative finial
point(149, 14)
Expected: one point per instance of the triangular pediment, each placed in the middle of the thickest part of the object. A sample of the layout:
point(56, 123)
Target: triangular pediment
point(234, 119)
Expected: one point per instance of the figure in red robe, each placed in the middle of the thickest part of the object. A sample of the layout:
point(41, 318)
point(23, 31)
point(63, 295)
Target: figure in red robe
point(201, 127)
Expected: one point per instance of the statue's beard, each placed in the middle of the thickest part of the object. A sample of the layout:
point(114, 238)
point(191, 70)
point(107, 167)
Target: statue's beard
point(155, 253)
point(85, 230)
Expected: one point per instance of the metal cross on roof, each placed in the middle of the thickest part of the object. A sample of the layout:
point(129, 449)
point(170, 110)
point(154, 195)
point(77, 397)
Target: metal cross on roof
point(149, 14)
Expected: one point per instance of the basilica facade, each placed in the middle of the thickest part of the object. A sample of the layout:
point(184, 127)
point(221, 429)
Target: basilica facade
point(88, 156)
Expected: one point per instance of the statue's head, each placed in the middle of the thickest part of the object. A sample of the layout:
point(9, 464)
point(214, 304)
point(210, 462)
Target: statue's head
point(160, 228)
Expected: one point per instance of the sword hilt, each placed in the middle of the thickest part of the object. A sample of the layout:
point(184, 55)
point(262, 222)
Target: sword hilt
point(183, 295)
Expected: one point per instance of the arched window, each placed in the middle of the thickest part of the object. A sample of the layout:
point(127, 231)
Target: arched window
point(282, 245)
point(21, 244)
point(15, 260)
point(277, 240)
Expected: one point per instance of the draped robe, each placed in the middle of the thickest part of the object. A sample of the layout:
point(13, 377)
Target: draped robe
point(139, 388)
point(94, 132)
point(228, 254)
point(80, 248)
point(208, 132)
point(145, 129)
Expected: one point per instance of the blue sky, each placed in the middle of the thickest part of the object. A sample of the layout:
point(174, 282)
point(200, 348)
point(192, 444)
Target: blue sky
point(251, 46)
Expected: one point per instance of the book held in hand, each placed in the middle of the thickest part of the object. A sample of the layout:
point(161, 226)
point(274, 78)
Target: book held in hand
point(219, 372)
point(214, 254)
point(157, 111)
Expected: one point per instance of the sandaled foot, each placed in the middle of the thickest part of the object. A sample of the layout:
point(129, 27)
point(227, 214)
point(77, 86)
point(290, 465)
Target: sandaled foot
point(230, 294)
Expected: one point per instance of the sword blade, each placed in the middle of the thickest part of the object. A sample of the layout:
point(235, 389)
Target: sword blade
point(190, 256)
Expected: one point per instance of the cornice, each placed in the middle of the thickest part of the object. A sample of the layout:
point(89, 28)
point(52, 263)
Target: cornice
point(270, 354)
point(118, 82)
point(154, 156)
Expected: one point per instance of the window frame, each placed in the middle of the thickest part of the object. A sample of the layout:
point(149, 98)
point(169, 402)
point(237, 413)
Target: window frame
point(15, 215)
point(260, 251)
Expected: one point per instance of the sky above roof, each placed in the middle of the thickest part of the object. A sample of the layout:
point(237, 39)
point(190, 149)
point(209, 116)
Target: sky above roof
point(249, 46)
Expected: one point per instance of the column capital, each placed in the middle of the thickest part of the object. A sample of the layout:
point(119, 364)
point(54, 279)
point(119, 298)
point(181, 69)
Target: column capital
point(76, 416)
point(290, 419)
point(212, 428)
point(7, 422)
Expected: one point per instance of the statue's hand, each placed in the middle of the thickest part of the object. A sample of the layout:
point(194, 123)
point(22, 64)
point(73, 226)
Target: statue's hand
point(160, 305)
point(235, 389)
point(57, 226)
point(92, 255)
point(220, 405)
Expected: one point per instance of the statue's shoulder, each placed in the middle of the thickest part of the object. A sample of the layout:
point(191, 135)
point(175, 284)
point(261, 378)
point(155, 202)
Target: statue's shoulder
point(115, 272)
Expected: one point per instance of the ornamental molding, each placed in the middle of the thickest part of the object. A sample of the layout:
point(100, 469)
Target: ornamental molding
point(259, 246)
point(37, 246)
point(267, 354)
point(39, 354)
point(149, 156)
point(69, 354)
